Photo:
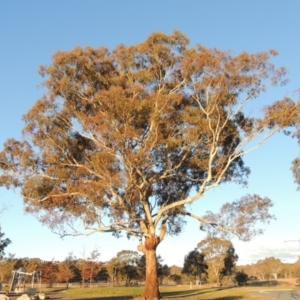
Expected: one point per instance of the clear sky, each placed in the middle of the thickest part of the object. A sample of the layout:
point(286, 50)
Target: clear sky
point(32, 30)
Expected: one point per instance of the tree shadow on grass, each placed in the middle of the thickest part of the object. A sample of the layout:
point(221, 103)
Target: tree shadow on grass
point(181, 293)
point(190, 294)
point(96, 298)
point(193, 292)
point(264, 283)
point(56, 290)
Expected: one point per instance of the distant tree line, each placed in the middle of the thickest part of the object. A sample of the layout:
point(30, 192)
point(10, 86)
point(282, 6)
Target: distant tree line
point(126, 268)
point(212, 261)
point(271, 268)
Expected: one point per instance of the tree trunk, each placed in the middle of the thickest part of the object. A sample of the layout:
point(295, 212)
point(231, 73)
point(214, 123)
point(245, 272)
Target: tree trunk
point(151, 284)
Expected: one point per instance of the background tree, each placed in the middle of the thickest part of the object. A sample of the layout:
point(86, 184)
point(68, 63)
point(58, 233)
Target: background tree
point(273, 265)
point(88, 266)
point(141, 267)
point(127, 265)
point(94, 265)
point(241, 278)
point(127, 274)
point(19, 263)
point(6, 267)
point(102, 274)
point(66, 269)
point(88, 271)
point(262, 270)
point(122, 137)
point(65, 273)
point(176, 278)
point(250, 270)
point(194, 265)
point(175, 274)
point(216, 253)
point(296, 268)
point(4, 242)
point(230, 261)
point(163, 270)
point(287, 270)
point(30, 264)
point(48, 271)
point(112, 268)
point(175, 270)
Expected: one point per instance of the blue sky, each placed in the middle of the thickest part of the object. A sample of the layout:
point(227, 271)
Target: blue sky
point(31, 31)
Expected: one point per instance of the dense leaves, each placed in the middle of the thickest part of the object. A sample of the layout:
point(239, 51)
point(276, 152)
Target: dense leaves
point(241, 278)
point(229, 262)
point(194, 264)
point(3, 243)
point(128, 134)
point(123, 140)
point(219, 256)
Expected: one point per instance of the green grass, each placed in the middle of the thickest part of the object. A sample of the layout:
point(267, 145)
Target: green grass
point(166, 291)
point(103, 292)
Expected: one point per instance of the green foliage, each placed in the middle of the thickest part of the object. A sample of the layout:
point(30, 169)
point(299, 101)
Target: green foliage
point(176, 278)
point(229, 262)
point(241, 278)
point(3, 243)
point(163, 271)
point(141, 267)
point(220, 257)
point(194, 264)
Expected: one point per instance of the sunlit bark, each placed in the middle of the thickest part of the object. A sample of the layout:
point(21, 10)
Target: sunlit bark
point(151, 290)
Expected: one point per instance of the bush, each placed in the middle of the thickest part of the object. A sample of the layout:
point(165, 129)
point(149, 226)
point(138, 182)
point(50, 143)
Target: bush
point(241, 278)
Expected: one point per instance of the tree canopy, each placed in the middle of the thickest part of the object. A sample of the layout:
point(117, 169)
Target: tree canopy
point(125, 140)
point(219, 256)
point(194, 264)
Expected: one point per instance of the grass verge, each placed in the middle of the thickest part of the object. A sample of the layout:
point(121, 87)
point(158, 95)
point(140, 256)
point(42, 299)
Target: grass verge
point(171, 292)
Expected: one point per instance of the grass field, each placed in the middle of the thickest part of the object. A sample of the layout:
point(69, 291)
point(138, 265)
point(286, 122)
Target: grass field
point(172, 292)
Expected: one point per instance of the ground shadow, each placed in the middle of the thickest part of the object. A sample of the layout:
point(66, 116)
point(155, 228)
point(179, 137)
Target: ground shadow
point(264, 283)
point(194, 292)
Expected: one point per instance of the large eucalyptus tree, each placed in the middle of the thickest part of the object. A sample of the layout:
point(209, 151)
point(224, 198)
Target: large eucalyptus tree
point(125, 140)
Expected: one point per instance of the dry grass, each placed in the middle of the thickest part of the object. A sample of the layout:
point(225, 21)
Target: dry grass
point(178, 292)
point(288, 281)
